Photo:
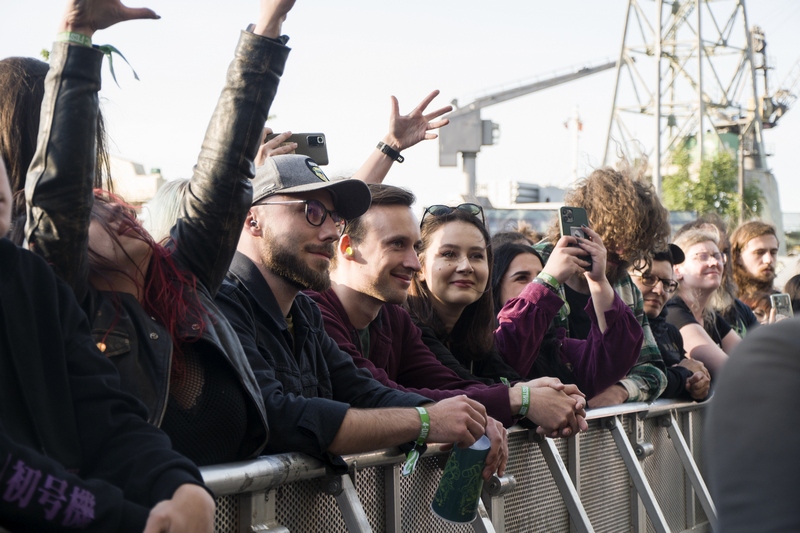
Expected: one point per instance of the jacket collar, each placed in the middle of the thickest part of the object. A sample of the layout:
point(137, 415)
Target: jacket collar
point(250, 280)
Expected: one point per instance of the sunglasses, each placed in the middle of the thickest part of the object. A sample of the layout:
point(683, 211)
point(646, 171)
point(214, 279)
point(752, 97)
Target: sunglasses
point(316, 213)
point(649, 280)
point(444, 210)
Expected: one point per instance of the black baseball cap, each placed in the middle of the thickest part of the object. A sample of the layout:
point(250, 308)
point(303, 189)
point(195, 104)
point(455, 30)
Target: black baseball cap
point(296, 174)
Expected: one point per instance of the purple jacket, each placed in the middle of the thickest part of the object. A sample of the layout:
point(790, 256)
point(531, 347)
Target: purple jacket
point(399, 359)
point(597, 362)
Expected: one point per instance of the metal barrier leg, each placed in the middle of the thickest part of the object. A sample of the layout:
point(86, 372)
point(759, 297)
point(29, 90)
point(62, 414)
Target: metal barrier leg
point(342, 488)
point(391, 480)
point(614, 425)
point(495, 493)
point(691, 468)
point(257, 513)
point(482, 522)
point(567, 489)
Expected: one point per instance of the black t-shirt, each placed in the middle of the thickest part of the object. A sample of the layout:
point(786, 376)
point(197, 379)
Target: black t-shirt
point(579, 322)
point(741, 318)
point(679, 315)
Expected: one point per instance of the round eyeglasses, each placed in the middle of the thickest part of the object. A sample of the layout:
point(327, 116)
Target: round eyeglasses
point(316, 213)
point(649, 280)
point(443, 210)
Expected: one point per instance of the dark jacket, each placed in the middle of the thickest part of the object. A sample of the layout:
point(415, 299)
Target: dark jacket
point(59, 193)
point(64, 424)
point(399, 359)
point(307, 382)
point(488, 370)
point(670, 343)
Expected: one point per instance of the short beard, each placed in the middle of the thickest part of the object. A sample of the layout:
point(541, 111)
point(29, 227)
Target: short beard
point(282, 261)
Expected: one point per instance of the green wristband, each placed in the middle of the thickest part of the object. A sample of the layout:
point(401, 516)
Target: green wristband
point(74, 38)
point(425, 427)
point(413, 455)
point(526, 401)
point(549, 280)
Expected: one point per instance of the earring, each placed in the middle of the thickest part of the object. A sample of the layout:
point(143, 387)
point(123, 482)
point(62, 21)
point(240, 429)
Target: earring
point(253, 224)
point(348, 251)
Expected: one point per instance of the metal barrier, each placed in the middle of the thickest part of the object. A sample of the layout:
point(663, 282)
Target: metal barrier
point(638, 469)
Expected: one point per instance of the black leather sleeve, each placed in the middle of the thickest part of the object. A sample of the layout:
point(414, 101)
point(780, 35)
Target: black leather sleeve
point(219, 195)
point(58, 187)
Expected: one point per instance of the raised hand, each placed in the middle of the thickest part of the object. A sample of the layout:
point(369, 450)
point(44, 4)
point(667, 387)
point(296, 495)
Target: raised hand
point(273, 146)
point(271, 17)
point(88, 16)
point(565, 260)
point(407, 130)
point(594, 246)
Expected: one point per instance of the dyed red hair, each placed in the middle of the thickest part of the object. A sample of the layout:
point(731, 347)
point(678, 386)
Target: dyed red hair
point(168, 293)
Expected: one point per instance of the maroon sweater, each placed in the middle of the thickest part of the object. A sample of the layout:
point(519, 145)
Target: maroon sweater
point(399, 359)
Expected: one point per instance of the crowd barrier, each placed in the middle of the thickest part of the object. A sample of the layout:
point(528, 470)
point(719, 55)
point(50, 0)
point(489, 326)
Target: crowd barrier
point(637, 469)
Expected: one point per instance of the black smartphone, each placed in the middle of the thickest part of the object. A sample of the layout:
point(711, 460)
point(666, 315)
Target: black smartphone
point(572, 220)
point(311, 144)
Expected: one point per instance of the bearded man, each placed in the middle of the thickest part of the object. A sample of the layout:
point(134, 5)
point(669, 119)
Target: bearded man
point(754, 253)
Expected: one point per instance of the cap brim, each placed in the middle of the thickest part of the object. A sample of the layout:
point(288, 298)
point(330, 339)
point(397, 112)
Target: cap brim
point(351, 197)
point(678, 256)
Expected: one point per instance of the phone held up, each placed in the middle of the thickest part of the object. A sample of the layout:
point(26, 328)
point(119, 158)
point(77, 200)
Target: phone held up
point(311, 144)
point(782, 303)
point(571, 220)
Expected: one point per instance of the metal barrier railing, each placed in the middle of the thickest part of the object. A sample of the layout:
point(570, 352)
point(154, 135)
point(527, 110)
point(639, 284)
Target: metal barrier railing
point(638, 468)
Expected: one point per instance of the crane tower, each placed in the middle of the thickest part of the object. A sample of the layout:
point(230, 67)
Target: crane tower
point(694, 66)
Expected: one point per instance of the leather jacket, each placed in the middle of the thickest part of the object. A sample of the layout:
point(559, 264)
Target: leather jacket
point(59, 198)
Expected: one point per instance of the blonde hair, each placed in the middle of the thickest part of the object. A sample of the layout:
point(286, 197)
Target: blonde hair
point(686, 240)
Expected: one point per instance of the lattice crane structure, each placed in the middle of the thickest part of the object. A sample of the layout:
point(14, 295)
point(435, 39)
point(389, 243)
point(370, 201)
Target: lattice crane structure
point(694, 67)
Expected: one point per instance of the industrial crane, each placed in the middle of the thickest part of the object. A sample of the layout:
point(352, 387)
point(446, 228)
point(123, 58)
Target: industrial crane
point(467, 132)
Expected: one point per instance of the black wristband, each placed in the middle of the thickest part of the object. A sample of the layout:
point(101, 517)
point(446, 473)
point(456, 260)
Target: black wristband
point(391, 152)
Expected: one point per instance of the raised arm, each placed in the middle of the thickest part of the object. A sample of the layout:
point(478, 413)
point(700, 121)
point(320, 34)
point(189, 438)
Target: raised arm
point(220, 193)
point(404, 132)
point(59, 184)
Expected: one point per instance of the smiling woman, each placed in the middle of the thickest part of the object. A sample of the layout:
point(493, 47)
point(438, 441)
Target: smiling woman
point(707, 337)
point(451, 299)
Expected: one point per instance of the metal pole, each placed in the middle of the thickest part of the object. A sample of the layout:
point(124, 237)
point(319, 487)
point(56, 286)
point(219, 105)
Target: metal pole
point(616, 83)
point(657, 162)
point(742, 130)
point(469, 159)
point(701, 107)
point(757, 153)
point(576, 124)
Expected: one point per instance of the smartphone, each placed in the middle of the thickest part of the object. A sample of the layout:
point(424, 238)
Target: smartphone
point(571, 220)
point(782, 303)
point(311, 144)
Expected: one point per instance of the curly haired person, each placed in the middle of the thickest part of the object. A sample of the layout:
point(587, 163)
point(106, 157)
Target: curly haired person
point(625, 211)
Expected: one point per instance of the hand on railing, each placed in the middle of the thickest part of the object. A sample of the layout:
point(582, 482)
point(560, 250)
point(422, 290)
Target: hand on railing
point(498, 455)
point(191, 510)
point(558, 409)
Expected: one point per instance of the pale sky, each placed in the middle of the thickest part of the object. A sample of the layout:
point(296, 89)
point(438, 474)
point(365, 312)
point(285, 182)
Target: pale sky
point(349, 56)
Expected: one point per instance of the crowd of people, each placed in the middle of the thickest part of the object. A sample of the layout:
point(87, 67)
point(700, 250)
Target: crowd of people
point(266, 308)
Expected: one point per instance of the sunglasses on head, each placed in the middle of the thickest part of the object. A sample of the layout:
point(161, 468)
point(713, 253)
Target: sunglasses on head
point(444, 210)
